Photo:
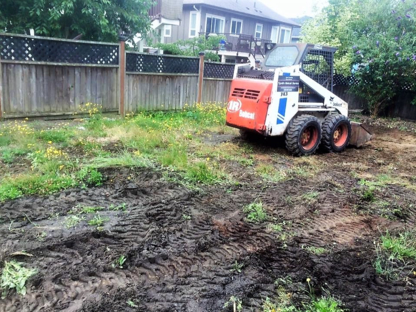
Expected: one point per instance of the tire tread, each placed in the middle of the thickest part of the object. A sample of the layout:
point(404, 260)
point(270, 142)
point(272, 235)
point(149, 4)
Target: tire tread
point(327, 128)
point(293, 132)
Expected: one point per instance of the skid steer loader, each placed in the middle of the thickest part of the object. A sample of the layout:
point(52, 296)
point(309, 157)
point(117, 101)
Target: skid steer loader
point(290, 94)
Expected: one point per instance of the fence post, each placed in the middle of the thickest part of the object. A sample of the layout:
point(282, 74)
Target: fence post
point(122, 73)
point(201, 76)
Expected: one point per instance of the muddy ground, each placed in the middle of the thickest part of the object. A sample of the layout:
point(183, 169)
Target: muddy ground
point(181, 244)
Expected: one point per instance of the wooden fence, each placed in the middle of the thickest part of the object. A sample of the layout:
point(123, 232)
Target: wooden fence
point(160, 92)
point(48, 77)
point(39, 90)
point(401, 105)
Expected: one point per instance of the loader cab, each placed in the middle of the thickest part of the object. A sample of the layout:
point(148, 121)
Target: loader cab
point(316, 61)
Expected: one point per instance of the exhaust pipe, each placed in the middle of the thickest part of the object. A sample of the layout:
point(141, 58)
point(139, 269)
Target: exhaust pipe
point(359, 134)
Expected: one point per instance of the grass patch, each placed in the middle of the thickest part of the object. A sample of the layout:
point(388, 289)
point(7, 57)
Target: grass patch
point(325, 304)
point(174, 156)
point(119, 262)
point(368, 195)
point(380, 181)
point(90, 176)
point(310, 197)
point(62, 136)
point(255, 212)
point(316, 250)
point(5, 140)
point(122, 207)
point(275, 227)
point(98, 221)
point(237, 267)
point(59, 161)
point(9, 154)
point(47, 183)
point(400, 247)
point(202, 173)
point(394, 252)
point(269, 173)
point(15, 276)
point(72, 221)
point(283, 301)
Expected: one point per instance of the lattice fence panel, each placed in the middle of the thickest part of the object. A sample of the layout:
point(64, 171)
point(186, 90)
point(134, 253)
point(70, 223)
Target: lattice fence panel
point(148, 63)
point(16, 48)
point(340, 80)
point(317, 64)
point(218, 70)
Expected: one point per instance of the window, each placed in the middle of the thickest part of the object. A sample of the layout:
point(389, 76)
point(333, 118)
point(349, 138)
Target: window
point(193, 22)
point(275, 34)
point(282, 56)
point(236, 26)
point(215, 24)
point(168, 31)
point(285, 35)
point(259, 31)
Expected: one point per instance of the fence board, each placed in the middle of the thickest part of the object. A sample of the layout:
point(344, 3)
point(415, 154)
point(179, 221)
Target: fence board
point(354, 102)
point(216, 90)
point(166, 92)
point(40, 90)
point(159, 92)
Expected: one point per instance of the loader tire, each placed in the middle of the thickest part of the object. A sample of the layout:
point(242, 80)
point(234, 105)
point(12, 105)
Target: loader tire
point(336, 133)
point(303, 135)
point(250, 136)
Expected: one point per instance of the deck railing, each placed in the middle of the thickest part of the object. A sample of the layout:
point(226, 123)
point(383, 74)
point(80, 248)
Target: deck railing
point(241, 43)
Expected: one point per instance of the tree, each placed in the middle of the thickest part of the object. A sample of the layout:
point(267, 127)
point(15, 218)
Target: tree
point(100, 20)
point(332, 27)
point(376, 44)
point(192, 47)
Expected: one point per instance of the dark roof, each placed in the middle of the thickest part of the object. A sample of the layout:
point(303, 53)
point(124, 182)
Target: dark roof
point(246, 7)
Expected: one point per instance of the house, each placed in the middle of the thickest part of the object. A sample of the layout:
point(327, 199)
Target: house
point(163, 15)
point(297, 31)
point(246, 24)
point(296, 34)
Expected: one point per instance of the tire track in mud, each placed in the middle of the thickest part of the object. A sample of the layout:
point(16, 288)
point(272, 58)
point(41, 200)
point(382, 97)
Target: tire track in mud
point(178, 265)
point(144, 224)
point(147, 270)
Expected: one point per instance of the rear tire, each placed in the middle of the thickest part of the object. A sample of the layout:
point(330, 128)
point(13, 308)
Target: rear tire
point(336, 133)
point(303, 135)
point(245, 134)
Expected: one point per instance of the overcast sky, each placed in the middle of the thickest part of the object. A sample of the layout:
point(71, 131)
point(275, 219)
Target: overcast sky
point(295, 8)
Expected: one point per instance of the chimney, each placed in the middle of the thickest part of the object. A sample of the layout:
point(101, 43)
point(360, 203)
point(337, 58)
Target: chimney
point(255, 4)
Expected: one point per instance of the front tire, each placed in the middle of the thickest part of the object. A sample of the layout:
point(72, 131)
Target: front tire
point(336, 133)
point(303, 135)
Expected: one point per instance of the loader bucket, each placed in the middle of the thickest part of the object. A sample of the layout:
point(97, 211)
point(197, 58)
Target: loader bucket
point(359, 134)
